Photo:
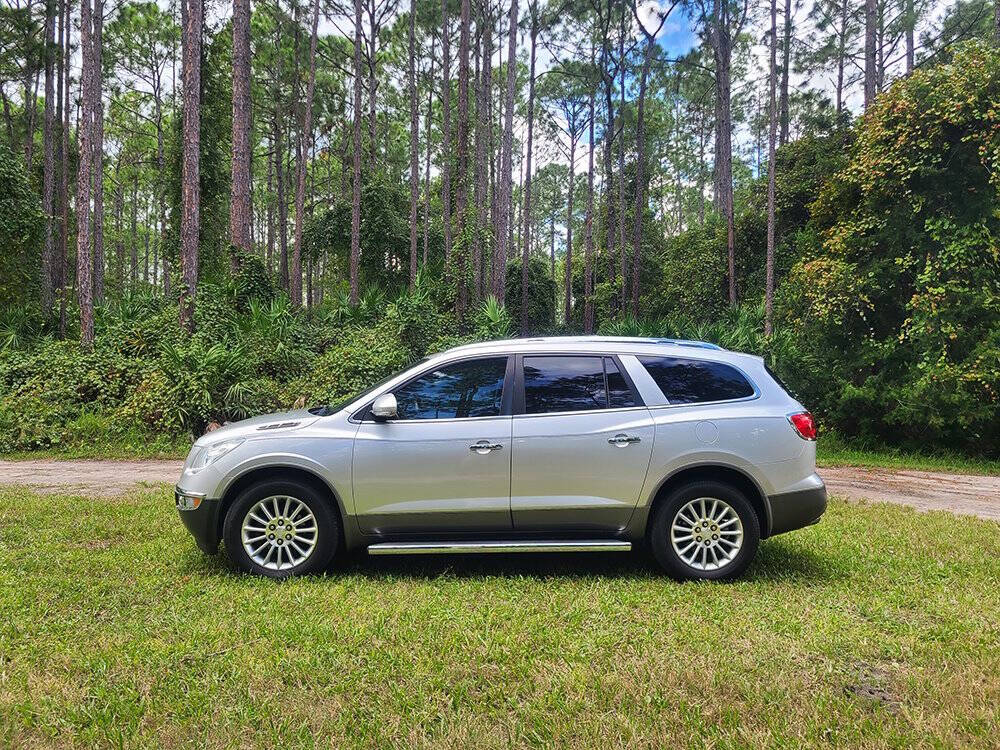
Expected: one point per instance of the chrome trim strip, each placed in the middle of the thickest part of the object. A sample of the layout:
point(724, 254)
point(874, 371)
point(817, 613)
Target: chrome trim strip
point(188, 493)
point(451, 548)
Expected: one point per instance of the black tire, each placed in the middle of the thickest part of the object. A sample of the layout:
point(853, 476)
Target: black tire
point(327, 525)
point(658, 534)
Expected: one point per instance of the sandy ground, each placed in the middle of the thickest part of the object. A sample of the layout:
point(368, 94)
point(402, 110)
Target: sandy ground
point(923, 490)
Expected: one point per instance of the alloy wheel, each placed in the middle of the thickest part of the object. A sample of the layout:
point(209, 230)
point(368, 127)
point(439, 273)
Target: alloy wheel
point(279, 532)
point(707, 533)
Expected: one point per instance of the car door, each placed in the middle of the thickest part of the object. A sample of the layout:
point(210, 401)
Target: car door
point(443, 464)
point(581, 444)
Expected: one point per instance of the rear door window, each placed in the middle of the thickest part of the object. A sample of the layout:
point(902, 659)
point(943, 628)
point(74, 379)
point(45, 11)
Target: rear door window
point(694, 381)
point(554, 384)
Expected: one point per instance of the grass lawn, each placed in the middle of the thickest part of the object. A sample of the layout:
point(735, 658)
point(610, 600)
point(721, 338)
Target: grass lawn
point(879, 627)
point(832, 450)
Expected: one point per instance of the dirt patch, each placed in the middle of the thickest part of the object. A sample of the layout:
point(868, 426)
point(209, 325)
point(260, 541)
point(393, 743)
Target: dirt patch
point(99, 478)
point(923, 490)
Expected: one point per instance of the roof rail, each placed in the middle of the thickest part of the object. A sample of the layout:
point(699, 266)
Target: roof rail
point(691, 343)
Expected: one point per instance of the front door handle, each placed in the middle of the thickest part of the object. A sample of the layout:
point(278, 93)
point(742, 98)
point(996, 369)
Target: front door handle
point(485, 446)
point(622, 440)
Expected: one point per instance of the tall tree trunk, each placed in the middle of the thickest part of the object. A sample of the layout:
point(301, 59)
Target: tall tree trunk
point(84, 280)
point(786, 64)
point(568, 280)
point(620, 212)
point(871, 75)
point(134, 233)
point(504, 223)
point(446, 128)
point(640, 171)
point(98, 163)
point(484, 83)
point(909, 26)
point(239, 204)
point(269, 247)
point(356, 144)
point(721, 43)
point(841, 57)
point(48, 164)
point(190, 164)
point(304, 139)
point(588, 252)
point(771, 171)
point(65, 59)
point(996, 21)
point(526, 216)
point(430, 147)
point(414, 141)
point(462, 185)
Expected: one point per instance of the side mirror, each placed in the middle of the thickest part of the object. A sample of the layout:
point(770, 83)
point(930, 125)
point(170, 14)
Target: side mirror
point(384, 407)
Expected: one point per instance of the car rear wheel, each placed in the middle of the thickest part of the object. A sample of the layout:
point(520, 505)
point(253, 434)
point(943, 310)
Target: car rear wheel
point(704, 531)
point(280, 528)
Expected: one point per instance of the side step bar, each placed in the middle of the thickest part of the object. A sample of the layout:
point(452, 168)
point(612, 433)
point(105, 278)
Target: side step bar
point(452, 548)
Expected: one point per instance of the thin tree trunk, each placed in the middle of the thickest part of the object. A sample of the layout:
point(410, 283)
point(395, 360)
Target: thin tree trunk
point(621, 213)
point(64, 166)
point(239, 204)
point(640, 171)
point(503, 225)
point(526, 215)
point(356, 183)
point(870, 71)
point(85, 129)
point(909, 25)
point(98, 163)
point(484, 56)
point(462, 185)
point(269, 248)
point(588, 252)
point(446, 128)
point(190, 165)
point(771, 170)
point(568, 281)
point(841, 57)
point(48, 165)
point(305, 136)
point(414, 142)
point(786, 52)
point(427, 162)
point(134, 233)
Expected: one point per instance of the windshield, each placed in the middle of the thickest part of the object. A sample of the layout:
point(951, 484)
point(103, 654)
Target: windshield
point(326, 410)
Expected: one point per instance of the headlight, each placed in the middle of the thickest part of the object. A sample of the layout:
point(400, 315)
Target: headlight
point(213, 453)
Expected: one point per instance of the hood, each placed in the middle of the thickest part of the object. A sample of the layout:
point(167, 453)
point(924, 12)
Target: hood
point(260, 426)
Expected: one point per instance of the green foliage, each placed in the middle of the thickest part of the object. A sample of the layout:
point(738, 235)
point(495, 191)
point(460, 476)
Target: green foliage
point(541, 300)
point(904, 283)
point(21, 224)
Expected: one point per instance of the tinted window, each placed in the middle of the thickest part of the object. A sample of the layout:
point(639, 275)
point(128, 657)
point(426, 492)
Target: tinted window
point(464, 389)
point(692, 381)
point(619, 394)
point(554, 384)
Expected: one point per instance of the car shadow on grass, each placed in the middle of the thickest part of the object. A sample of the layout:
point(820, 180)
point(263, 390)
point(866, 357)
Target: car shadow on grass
point(778, 560)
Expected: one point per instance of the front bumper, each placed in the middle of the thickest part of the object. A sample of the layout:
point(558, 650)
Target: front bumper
point(202, 522)
point(793, 510)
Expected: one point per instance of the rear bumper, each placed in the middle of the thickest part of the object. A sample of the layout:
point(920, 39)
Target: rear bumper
point(793, 510)
point(202, 522)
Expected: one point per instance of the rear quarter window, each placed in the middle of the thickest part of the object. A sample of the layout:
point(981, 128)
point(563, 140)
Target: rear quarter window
point(695, 381)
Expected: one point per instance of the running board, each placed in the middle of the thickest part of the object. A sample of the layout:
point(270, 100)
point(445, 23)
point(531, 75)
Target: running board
point(452, 548)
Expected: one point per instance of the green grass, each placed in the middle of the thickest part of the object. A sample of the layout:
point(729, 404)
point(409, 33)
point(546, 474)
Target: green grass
point(876, 628)
point(117, 447)
point(832, 450)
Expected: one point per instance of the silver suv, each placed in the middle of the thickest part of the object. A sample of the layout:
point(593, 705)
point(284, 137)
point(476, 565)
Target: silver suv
point(582, 444)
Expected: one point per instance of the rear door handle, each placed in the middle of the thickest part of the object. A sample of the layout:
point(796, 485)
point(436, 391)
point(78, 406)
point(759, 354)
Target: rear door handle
point(622, 440)
point(485, 446)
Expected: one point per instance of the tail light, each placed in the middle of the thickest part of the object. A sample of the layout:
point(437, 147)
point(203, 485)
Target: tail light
point(804, 424)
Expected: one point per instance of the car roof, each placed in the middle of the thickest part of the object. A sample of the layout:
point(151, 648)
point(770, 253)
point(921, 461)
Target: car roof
point(603, 344)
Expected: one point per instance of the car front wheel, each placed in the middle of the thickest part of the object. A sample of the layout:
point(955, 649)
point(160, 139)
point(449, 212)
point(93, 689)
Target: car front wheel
point(704, 531)
point(279, 529)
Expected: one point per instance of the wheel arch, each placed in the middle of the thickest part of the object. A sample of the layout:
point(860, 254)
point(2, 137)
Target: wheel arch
point(277, 472)
point(714, 472)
